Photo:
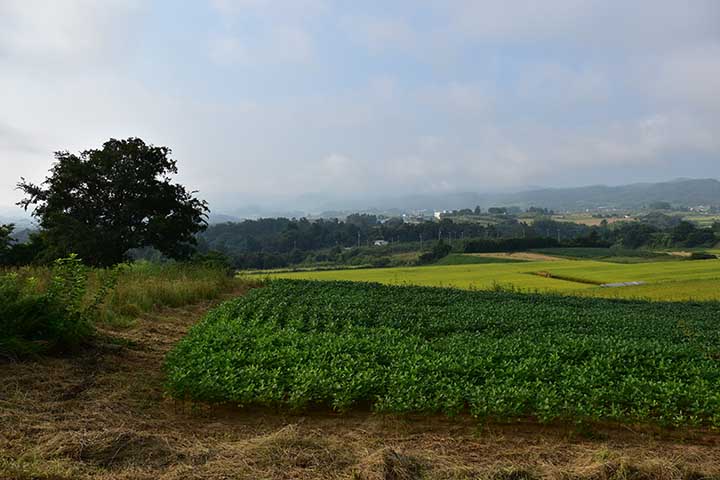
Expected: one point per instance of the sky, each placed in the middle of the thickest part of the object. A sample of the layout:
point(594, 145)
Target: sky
point(276, 101)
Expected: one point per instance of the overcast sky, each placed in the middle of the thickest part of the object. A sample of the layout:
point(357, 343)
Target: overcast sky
point(267, 98)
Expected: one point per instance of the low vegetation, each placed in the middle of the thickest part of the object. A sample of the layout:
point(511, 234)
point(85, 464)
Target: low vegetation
point(145, 286)
point(55, 309)
point(57, 316)
point(495, 355)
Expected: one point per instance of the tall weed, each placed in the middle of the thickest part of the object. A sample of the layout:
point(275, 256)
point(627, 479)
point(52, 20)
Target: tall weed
point(56, 318)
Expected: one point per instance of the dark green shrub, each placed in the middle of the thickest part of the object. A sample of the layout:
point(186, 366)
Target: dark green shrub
point(381, 262)
point(214, 260)
point(55, 320)
point(439, 250)
point(702, 256)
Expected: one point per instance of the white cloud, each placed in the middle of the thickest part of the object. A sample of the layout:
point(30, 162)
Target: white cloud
point(558, 84)
point(380, 34)
point(67, 31)
point(279, 45)
point(690, 78)
point(228, 50)
point(294, 11)
point(291, 44)
point(233, 7)
point(587, 23)
point(478, 95)
point(278, 33)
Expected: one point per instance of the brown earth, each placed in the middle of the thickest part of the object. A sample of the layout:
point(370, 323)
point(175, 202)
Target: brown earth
point(103, 415)
point(527, 256)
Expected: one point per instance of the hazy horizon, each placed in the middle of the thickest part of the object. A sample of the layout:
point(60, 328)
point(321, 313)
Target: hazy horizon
point(265, 102)
point(310, 204)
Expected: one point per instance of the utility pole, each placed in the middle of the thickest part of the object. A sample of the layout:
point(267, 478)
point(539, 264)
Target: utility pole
point(358, 239)
point(421, 242)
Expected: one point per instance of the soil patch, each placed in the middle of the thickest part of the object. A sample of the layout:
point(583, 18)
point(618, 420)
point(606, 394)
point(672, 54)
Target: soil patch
point(526, 256)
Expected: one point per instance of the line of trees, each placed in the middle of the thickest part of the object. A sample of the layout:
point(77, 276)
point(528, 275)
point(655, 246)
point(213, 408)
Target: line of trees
point(280, 242)
point(283, 235)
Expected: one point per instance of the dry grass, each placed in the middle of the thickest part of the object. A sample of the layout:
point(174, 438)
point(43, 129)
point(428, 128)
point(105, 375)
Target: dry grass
point(527, 256)
point(103, 415)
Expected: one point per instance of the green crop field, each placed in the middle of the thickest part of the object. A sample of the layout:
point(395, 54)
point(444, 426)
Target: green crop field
point(495, 355)
point(570, 276)
point(686, 290)
point(702, 220)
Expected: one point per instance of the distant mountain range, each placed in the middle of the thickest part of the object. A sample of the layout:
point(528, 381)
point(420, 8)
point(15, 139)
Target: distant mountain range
point(681, 192)
point(15, 216)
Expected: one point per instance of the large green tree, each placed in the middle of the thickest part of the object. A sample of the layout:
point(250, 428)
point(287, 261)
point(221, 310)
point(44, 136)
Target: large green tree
point(102, 203)
point(5, 241)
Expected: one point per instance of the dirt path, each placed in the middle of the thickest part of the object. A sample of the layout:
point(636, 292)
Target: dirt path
point(527, 256)
point(103, 415)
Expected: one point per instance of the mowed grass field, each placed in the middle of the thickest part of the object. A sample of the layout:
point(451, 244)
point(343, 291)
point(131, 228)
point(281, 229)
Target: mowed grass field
point(680, 280)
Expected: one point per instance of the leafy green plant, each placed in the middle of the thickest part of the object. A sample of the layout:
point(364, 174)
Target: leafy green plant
point(493, 354)
point(58, 319)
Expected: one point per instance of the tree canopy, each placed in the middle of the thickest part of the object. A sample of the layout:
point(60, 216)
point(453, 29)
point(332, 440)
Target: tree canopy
point(102, 203)
point(5, 240)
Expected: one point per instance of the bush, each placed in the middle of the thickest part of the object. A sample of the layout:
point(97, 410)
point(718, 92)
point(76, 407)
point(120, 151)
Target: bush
point(214, 260)
point(381, 262)
point(702, 256)
point(53, 310)
point(439, 250)
point(60, 318)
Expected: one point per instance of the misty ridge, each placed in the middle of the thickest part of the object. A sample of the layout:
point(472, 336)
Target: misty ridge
point(679, 192)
